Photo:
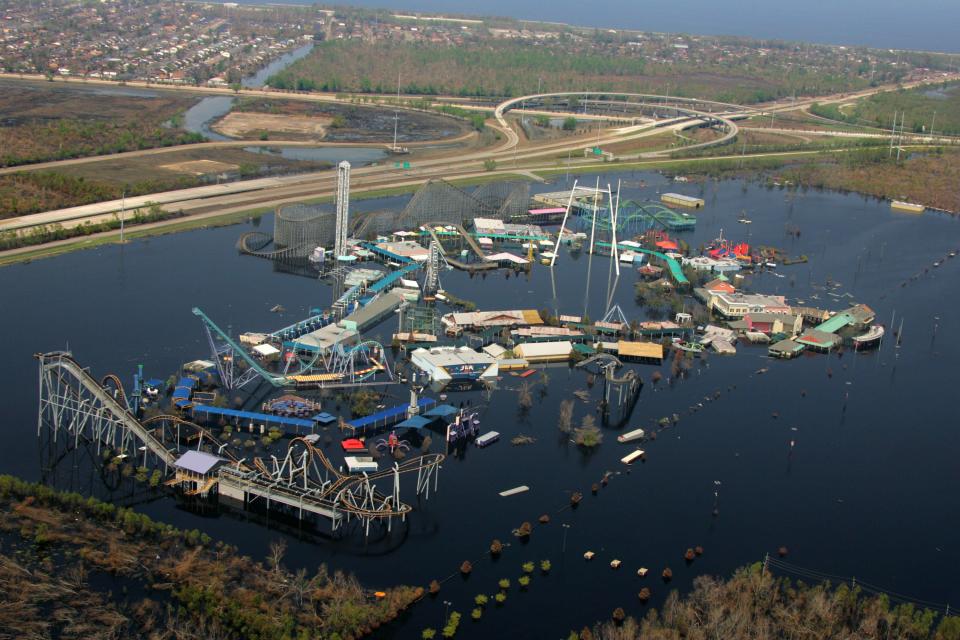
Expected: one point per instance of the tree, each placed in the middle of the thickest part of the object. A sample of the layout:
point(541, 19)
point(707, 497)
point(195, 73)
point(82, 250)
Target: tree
point(587, 434)
point(277, 550)
point(565, 420)
point(569, 123)
point(489, 164)
point(525, 397)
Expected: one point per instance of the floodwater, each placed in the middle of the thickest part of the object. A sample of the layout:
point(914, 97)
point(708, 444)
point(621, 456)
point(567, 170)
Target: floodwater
point(356, 156)
point(867, 490)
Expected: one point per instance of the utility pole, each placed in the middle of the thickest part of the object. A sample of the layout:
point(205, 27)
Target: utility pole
point(932, 123)
point(903, 117)
point(123, 212)
point(893, 132)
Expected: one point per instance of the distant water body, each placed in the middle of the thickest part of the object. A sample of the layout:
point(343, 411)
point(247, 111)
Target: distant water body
point(928, 25)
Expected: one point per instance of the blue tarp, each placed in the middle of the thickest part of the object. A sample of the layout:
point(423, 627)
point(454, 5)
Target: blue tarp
point(388, 415)
point(249, 415)
point(442, 411)
point(155, 382)
point(414, 422)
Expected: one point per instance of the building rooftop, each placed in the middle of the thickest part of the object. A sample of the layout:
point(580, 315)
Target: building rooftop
point(652, 350)
point(198, 462)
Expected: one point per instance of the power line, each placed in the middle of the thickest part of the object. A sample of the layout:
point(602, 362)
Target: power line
point(853, 581)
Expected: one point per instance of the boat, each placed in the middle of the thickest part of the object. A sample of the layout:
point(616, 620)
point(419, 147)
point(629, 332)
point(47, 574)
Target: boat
point(633, 455)
point(630, 436)
point(872, 337)
point(691, 347)
point(512, 492)
point(487, 439)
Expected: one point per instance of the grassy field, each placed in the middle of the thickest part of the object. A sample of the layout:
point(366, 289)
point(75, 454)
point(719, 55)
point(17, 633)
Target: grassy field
point(919, 106)
point(929, 177)
point(504, 68)
point(75, 567)
point(55, 121)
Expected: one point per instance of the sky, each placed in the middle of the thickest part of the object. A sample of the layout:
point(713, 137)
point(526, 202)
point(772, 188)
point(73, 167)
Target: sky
point(930, 25)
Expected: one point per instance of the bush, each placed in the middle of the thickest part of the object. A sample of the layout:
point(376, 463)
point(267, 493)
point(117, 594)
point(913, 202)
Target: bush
point(453, 622)
point(587, 436)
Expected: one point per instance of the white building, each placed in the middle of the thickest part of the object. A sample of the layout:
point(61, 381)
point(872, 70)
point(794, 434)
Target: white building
point(461, 364)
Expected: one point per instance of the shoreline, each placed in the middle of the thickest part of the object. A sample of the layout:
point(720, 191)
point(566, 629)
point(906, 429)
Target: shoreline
point(750, 163)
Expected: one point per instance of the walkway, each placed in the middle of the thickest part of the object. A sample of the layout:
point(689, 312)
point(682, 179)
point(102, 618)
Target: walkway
point(675, 269)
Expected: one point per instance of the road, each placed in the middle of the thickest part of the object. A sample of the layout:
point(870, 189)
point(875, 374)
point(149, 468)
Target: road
point(225, 144)
point(271, 192)
point(209, 209)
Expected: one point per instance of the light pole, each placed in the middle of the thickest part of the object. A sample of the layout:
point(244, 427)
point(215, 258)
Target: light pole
point(446, 611)
point(565, 528)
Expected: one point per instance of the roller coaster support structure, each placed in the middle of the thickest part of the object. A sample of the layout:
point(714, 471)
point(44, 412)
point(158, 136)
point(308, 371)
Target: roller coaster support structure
point(225, 351)
point(72, 402)
point(86, 410)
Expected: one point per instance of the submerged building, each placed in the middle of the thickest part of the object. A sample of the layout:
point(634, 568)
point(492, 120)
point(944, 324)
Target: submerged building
point(455, 364)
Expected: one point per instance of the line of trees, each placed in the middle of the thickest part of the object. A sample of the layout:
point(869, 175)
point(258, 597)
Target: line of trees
point(755, 604)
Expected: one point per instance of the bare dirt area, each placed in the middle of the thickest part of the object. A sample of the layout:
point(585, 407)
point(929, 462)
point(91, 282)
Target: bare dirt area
point(200, 167)
point(209, 161)
point(360, 122)
point(247, 124)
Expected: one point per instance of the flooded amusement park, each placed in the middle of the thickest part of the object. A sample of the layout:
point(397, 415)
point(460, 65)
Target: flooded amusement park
point(619, 382)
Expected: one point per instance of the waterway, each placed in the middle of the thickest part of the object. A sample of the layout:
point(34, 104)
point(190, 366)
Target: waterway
point(868, 489)
point(199, 117)
point(356, 156)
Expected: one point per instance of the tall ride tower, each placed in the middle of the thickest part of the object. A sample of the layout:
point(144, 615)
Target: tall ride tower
point(431, 282)
point(343, 209)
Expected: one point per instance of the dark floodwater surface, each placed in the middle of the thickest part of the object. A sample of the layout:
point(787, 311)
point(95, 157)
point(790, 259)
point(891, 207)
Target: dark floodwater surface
point(869, 490)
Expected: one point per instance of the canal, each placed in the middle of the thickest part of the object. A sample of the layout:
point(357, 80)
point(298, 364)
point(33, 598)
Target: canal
point(867, 489)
